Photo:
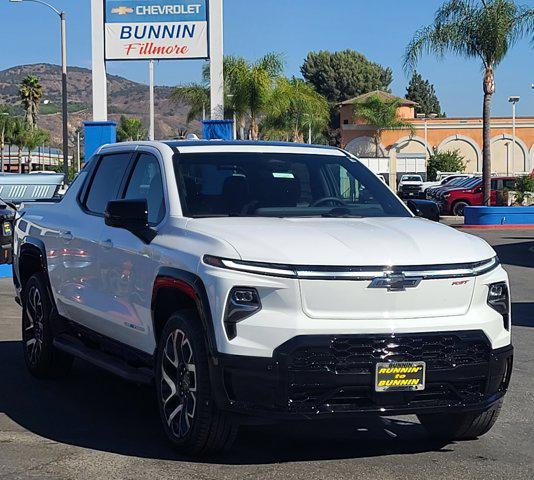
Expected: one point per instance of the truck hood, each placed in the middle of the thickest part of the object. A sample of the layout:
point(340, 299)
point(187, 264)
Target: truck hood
point(342, 241)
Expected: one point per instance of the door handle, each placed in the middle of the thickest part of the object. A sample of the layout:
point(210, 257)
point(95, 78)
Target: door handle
point(107, 244)
point(66, 236)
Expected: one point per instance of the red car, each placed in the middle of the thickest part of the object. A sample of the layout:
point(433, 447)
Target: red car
point(454, 201)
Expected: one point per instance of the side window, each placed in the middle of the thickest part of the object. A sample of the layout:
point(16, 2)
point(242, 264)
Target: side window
point(106, 181)
point(146, 182)
point(509, 184)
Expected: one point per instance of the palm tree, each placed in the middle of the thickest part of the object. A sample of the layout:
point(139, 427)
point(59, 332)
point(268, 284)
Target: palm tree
point(26, 136)
point(292, 109)
point(196, 95)
point(30, 93)
point(130, 129)
point(247, 87)
point(251, 85)
point(381, 113)
point(483, 30)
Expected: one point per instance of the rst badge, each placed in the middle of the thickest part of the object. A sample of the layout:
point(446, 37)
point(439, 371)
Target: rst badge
point(395, 282)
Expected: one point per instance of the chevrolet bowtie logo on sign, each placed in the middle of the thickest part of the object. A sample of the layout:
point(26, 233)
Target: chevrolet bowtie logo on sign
point(395, 282)
point(122, 10)
point(156, 29)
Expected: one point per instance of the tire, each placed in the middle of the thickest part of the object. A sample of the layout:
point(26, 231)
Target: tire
point(458, 208)
point(461, 426)
point(42, 359)
point(191, 420)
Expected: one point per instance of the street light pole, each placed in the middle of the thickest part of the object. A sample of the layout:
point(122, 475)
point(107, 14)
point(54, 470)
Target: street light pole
point(513, 100)
point(63, 80)
point(65, 112)
point(426, 117)
point(151, 108)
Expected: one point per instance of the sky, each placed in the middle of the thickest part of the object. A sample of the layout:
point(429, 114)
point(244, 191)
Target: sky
point(380, 29)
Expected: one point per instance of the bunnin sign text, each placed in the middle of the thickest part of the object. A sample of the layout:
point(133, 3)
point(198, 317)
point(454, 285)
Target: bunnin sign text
point(156, 29)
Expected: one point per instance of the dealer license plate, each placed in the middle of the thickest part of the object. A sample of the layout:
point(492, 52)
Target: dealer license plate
point(400, 376)
point(6, 228)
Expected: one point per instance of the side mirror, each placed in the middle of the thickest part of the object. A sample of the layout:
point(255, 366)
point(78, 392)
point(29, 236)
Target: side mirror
point(478, 190)
point(425, 209)
point(131, 215)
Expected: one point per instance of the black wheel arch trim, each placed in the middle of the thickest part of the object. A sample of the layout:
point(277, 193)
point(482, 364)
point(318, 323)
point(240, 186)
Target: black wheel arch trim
point(193, 286)
point(33, 247)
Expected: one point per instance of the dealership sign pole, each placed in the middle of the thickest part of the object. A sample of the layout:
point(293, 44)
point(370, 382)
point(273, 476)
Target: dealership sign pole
point(154, 30)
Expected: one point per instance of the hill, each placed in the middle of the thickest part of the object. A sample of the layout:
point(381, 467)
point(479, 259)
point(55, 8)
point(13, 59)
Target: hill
point(125, 97)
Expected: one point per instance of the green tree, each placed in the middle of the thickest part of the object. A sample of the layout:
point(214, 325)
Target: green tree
point(343, 75)
point(293, 108)
point(130, 129)
point(447, 161)
point(30, 93)
point(524, 189)
point(381, 114)
point(484, 30)
point(422, 92)
point(6, 131)
point(346, 74)
point(25, 135)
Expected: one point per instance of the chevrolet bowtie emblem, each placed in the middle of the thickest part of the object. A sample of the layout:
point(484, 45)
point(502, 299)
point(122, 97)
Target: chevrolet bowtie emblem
point(122, 10)
point(395, 282)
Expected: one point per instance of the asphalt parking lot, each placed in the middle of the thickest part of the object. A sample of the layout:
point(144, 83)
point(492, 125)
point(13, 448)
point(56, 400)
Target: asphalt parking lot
point(93, 426)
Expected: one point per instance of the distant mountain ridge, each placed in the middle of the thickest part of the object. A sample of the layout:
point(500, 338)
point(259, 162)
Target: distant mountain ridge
point(125, 97)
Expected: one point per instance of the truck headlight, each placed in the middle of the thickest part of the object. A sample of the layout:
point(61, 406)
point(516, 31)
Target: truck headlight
point(499, 300)
point(242, 303)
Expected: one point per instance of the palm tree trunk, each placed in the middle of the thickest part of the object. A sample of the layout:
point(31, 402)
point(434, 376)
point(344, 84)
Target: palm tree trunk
point(242, 128)
point(254, 131)
point(20, 160)
point(489, 89)
point(377, 145)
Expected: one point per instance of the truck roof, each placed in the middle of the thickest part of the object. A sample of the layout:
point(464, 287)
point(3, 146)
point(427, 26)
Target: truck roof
point(198, 146)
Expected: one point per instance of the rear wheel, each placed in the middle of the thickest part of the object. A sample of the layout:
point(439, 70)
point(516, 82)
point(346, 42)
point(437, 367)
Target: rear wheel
point(461, 426)
point(42, 358)
point(191, 420)
point(458, 208)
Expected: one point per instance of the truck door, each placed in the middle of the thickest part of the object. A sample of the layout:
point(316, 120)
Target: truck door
point(79, 293)
point(128, 266)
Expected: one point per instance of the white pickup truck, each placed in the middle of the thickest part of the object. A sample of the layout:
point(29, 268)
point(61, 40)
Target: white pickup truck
point(263, 281)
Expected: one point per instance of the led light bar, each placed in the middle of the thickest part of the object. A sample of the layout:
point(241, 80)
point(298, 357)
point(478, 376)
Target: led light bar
point(306, 272)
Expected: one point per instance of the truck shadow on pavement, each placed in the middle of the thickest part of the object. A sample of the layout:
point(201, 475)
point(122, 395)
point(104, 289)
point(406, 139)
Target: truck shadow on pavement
point(93, 409)
point(519, 254)
point(523, 314)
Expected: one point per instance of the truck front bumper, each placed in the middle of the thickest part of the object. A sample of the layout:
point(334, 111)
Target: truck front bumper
point(317, 376)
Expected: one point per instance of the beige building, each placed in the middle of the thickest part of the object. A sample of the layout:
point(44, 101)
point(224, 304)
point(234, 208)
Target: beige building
point(463, 134)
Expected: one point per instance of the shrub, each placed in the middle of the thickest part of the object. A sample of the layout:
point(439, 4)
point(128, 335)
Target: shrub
point(447, 161)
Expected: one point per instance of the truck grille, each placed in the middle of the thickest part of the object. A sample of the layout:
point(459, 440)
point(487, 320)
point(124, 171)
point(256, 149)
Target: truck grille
point(338, 375)
point(354, 354)
point(411, 188)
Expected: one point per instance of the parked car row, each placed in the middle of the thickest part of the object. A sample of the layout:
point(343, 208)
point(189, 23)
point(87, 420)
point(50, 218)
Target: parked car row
point(454, 196)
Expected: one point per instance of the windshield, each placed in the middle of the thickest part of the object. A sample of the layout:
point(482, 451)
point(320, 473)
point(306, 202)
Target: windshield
point(470, 183)
point(281, 185)
point(411, 178)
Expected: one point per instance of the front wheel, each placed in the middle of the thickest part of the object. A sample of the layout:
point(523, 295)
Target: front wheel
point(190, 418)
point(458, 208)
point(460, 426)
point(42, 358)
